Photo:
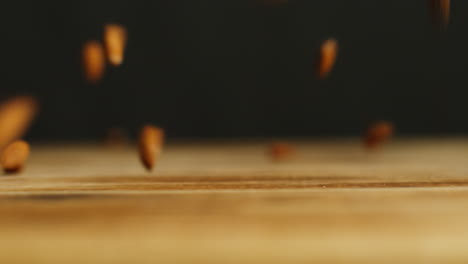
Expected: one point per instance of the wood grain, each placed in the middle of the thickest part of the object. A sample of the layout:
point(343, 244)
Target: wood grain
point(226, 202)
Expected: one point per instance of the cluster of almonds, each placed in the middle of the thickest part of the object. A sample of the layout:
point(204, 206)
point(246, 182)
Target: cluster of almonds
point(380, 132)
point(16, 115)
point(374, 137)
point(94, 54)
point(115, 40)
point(94, 57)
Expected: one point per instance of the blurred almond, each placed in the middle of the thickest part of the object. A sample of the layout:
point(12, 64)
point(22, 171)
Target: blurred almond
point(377, 134)
point(93, 61)
point(280, 151)
point(150, 145)
point(440, 10)
point(16, 115)
point(14, 156)
point(115, 39)
point(326, 58)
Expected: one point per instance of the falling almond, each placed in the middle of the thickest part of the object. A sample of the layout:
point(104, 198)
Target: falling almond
point(150, 145)
point(326, 58)
point(115, 38)
point(16, 115)
point(440, 11)
point(93, 61)
point(377, 134)
point(14, 156)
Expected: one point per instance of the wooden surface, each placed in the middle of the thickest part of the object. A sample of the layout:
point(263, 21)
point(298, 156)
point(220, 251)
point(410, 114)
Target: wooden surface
point(228, 203)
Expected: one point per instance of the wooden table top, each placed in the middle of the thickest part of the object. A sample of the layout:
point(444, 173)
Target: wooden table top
point(227, 202)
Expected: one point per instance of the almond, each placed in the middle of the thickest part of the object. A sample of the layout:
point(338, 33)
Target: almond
point(14, 156)
point(377, 134)
point(326, 58)
point(445, 11)
point(280, 151)
point(115, 39)
point(150, 145)
point(93, 61)
point(440, 11)
point(16, 115)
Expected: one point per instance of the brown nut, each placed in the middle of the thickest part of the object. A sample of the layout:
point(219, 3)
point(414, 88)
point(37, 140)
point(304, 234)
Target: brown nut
point(377, 134)
point(93, 61)
point(326, 58)
point(150, 145)
point(280, 151)
point(440, 11)
point(115, 39)
point(14, 156)
point(16, 115)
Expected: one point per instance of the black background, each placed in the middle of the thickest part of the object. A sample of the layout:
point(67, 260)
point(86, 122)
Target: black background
point(237, 68)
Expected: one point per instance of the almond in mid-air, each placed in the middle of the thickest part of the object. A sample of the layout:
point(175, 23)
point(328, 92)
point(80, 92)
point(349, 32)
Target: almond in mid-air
point(16, 115)
point(93, 61)
point(440, 10)
point(14, 156)
point(115, 39)
point(150, 145)
point(377, 134)
point(326, 58)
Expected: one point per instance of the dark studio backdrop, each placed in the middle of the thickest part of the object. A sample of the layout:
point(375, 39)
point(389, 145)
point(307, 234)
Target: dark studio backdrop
point(238, 68)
